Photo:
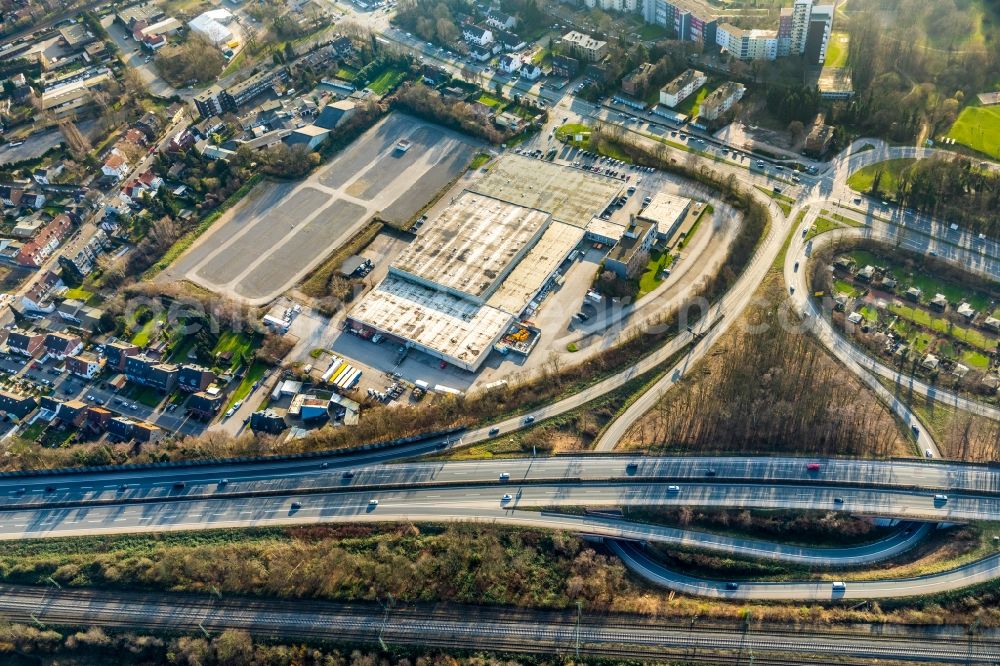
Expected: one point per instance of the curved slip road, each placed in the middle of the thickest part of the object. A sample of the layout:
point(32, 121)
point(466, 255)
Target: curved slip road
point(980, 571)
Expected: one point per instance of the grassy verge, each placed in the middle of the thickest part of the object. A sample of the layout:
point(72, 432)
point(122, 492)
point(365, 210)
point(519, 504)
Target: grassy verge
point(784, 203)
point(576, 430)
point(256, 371)
point(188, 239)
point(863, 179)
point(478, 161)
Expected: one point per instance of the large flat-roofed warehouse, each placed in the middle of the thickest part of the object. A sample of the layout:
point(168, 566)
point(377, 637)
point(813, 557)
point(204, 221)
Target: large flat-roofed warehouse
point(445, 326)
point(482, 262)
point(572, 196)
point(472, 246)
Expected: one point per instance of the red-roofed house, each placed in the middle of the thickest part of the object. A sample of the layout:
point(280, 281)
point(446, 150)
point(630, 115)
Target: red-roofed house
point(38, 249)
point(115, 166)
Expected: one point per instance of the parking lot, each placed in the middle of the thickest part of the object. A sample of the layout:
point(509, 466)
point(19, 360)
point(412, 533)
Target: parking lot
point(281, 231)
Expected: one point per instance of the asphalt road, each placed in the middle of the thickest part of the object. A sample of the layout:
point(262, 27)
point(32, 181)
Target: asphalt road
point(477, 502)
point(364, 471)
point(475, 627)
point(980, 571)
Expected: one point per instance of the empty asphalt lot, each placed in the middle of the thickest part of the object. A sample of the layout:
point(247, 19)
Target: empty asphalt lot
point(281, 231)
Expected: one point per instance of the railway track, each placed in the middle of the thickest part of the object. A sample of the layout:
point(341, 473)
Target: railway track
point(477, 628)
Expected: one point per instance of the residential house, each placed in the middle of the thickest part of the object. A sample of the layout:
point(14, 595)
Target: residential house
point(62, 345)
point(27, 227)
point(342, 46)
point(509, 41)
point(15, 404)
point(120, 428)
point(35, 252)
point(97, 418)
point(46, 175)
point(25, 343)
point(433, 75)
point(565, 66)
point(509, 63)
point(682, 87)
point(150, 372)
point(638, 78)
point(147, 181)
point(80, 255)
point(913, 294)
point(204, 406)
point(531, 72)
point(820, 137)
point(72, 413)
point(476, 35)
point(269, 421)
point(147, 433)
point(721, 100)
point(480, 53)
point(501, 21)
point(193, 378)
point(84, 365)
point(118, 352)
point(966, 310)
point(16, 196)
point(115, 166)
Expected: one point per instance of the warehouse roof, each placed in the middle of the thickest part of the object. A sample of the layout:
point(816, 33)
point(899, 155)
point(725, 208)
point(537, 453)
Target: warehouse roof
point(530, 274)
point(573, 196)
point(453, 327)
point(472, 245)
point(665, 211)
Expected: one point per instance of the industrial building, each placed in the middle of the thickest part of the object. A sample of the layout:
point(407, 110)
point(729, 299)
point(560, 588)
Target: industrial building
point(666, 212)
point(461, 285)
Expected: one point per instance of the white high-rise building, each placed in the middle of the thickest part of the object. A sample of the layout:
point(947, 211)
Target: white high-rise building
point(801, 11)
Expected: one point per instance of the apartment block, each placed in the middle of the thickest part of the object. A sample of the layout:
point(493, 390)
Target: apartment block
point(682, 87)
point(584, 47)
point(747, 44)
point(721, 100)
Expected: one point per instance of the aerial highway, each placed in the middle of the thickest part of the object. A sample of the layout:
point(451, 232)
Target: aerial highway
point(615, 636)
point(182, 483)
point(516, 504)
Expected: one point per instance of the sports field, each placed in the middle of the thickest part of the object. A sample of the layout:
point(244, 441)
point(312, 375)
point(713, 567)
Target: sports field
point(978, 127)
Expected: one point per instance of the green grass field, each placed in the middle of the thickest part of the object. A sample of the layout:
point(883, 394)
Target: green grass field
point(255, 372)
point(941, 325)
point(386, 81)
point(978, 127)
point(691, 105)
point(836, 52)
point(862, 179)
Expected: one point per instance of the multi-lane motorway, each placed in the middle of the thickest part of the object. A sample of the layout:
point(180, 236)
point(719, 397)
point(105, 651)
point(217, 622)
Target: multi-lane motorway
point(511, 492)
